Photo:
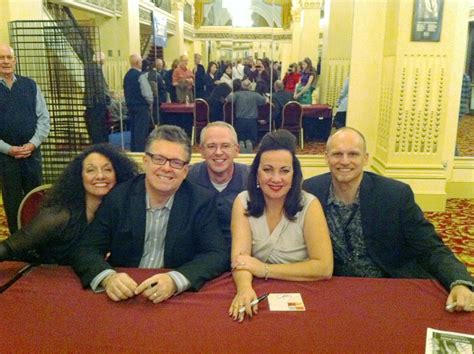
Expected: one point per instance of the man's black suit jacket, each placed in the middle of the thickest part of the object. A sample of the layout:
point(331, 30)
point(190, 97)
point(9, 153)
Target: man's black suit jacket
point(399, 239)
point(194, 245)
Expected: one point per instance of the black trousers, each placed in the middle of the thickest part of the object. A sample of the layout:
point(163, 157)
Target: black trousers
point(96, 123)
point(340, 120)
point(139, 127)
point(18, 177)
point(246, 129)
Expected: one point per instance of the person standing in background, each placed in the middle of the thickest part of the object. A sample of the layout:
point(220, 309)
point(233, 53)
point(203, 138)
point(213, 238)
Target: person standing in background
point(169, 81)
point(137, 105)
point(199, 76)
point(96, 99)
point(24, 126)
point(183, 81)
point(340, 117)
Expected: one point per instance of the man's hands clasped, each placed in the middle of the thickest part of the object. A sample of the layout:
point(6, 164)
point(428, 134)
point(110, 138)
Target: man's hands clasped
point(158, 288)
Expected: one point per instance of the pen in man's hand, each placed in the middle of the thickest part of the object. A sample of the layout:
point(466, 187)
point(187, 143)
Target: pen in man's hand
point(254, 302)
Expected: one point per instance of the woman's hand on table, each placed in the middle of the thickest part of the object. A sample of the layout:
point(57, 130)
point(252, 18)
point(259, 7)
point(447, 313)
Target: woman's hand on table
point(243, 298)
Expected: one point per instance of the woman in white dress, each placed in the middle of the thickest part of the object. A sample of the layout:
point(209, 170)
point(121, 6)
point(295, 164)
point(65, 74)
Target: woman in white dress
point(278, 230)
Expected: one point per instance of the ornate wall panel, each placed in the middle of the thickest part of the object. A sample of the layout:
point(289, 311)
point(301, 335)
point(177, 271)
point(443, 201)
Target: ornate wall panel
point(386, 98)
point(337, 72)
point(422, 93)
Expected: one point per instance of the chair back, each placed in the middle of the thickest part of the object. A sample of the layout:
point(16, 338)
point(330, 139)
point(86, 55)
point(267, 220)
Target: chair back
point(201, 113)
point(228, 113)
point(292, 116)
point(264, 118)
point(30, 204)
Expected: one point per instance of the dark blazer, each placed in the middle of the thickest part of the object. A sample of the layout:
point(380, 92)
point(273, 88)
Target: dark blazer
point(279, 99)
point(399, 238)
point(194, 244)
point(200, 81)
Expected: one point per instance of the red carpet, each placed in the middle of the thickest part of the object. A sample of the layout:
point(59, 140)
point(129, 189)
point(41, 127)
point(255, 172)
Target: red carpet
point(465, 138)
point(455, 226)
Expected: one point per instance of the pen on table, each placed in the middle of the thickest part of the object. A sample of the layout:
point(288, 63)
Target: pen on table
point(254, 302)
point(451, 306)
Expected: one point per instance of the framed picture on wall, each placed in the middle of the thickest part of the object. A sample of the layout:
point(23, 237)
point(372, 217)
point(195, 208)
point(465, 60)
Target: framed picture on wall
point(427, 20)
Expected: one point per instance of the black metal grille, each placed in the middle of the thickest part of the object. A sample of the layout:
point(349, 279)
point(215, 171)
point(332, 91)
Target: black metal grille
point(53, 53)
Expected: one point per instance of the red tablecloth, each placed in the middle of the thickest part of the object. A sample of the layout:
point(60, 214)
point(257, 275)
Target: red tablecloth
point(47, 311)
point(8, 270)
point(177, 107)
point(317, 111)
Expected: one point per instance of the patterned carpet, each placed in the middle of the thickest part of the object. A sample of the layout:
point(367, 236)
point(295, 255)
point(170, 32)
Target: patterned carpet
point(465, 140)
point(455, 225)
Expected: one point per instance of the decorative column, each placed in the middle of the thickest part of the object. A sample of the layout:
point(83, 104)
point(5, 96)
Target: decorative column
point(175, 46)
point(410, 91)
point(309, 35)
point(336, 56)
point(295, 32)
point(128, 29)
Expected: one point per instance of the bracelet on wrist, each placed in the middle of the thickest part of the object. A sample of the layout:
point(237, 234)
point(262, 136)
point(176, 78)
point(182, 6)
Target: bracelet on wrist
point(265, 275)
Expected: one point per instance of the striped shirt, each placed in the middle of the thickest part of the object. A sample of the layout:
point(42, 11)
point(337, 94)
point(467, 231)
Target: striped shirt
point(154, 246)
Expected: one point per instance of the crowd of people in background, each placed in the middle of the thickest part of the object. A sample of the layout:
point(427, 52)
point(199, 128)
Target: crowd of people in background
point(256, 79)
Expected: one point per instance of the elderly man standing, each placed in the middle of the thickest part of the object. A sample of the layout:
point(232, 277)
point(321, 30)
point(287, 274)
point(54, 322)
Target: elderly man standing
point(156, 220)
point(377, 229)
point(139, 97)
point(24, 126)
point(219, 173)
point(183, 80)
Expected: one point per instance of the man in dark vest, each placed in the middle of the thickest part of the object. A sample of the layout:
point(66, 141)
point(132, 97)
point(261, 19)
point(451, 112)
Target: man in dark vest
point(137, 105)
point(24, 125)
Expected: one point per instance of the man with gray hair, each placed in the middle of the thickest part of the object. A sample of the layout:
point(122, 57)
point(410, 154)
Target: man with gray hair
point(24, 126)
point(218, 172)
point(155, 220)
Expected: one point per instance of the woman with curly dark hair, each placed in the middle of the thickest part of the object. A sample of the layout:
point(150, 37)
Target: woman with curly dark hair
point(69, 206)
point(278, 230)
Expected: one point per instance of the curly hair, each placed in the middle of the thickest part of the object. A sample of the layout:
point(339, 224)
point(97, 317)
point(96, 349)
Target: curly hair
point(68, 191)
point(278, 140)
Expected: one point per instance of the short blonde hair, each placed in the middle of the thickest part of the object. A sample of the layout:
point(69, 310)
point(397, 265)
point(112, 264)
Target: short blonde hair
point(218, 124)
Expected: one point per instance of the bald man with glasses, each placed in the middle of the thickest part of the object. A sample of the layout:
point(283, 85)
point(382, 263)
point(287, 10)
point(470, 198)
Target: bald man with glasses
point(156, 220)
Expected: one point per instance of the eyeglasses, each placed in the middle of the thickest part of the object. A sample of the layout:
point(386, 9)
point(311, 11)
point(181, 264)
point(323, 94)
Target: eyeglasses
point(161, 160)
point(212, 148)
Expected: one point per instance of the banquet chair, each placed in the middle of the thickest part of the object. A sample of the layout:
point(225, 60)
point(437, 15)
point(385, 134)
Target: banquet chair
point(263, 119)
point(30, 204)
point(292, 119)
point(200, 117)
point(228, 113)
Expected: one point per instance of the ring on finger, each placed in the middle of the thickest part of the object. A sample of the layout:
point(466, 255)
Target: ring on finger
point(155, 294)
